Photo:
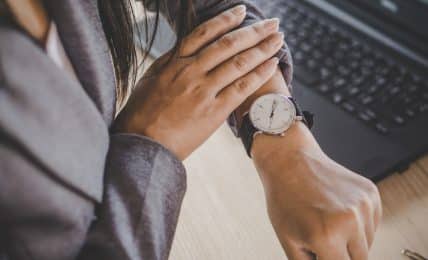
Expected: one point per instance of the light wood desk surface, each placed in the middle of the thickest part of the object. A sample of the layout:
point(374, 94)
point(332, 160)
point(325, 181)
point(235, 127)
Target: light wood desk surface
point(224, 217)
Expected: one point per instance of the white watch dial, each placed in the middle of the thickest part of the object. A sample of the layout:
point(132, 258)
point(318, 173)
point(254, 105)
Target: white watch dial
point(273, 113)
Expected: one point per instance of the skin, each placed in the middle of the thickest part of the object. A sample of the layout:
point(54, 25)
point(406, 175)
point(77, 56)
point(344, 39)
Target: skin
point(316, 206)
point(31, 15)
point(211, 78)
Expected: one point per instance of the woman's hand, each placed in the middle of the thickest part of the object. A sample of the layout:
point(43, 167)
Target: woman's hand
point(316, 206)
point(182, 102)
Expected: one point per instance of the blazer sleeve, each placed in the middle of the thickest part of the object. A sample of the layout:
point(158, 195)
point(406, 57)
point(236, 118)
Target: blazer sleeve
point(43, 218)
point(144, 188)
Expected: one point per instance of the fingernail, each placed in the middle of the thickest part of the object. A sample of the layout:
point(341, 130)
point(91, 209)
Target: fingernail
point(272, 24)
point(239, 10)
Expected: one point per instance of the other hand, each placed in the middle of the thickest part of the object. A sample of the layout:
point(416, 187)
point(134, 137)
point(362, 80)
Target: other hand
point(183, 101)
point(316, 206)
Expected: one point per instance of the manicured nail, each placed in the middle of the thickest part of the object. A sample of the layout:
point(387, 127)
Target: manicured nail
point(272, 24)
point(239, 10)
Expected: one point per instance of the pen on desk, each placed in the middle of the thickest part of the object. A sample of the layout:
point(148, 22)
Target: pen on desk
point(413, 255)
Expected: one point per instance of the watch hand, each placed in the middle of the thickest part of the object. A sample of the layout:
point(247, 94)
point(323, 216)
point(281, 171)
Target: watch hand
point(274, 105)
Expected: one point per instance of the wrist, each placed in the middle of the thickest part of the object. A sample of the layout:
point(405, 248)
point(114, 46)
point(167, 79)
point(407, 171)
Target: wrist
point(270, 151)
point(127, 125)
point(297, 137)
point(276, 84)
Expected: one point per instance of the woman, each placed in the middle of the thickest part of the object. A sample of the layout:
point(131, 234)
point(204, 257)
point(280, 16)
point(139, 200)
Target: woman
point(66, 65)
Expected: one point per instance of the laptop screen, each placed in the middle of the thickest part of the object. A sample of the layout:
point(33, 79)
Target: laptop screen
point(404, 20)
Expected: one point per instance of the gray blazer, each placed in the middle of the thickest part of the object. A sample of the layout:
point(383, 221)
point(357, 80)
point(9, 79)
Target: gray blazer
point(68, 188)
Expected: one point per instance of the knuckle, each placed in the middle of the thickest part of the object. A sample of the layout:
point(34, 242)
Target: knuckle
point(242, 86)
point(241, 62)
point(366, 207)
point(372, 188)
point(272, 43)
point(227, 41)
point(201, 32)
point(373, 195)
point(227, 18)
point(366, 202)
point(266, 47)
point(258, 29)
point(260, 72)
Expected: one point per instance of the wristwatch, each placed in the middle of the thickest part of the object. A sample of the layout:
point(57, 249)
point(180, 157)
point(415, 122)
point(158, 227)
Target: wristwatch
point(271, 114)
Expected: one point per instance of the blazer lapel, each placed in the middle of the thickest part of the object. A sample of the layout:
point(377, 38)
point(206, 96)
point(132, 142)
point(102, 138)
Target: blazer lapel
point(82, 35)
point(49, 117)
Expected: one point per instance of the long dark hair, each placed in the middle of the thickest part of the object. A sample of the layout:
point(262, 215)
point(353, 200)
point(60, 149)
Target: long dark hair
point(119, 22)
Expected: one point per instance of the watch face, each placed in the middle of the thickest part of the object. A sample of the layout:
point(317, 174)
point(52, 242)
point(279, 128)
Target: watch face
point(272, 113)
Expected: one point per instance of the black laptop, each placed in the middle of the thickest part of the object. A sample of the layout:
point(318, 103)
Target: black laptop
point(362, 67)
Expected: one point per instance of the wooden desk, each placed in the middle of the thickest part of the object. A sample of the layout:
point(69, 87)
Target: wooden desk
point(224, 217)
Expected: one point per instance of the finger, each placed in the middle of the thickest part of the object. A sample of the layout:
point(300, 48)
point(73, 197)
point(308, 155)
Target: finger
point(235, 42)
point(366, 219)
point(295, 252)
point(212, 29)
point(333, 254)
point(369, 227)
point(372, 212)
point(370, 231)
point(357, 247)
point(378, 208)
point(236, 93)
point(245, 62)
point(378, 215)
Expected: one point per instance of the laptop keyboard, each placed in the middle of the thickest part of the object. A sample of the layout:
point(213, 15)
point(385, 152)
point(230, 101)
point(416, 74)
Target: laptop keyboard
point(350, 73)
